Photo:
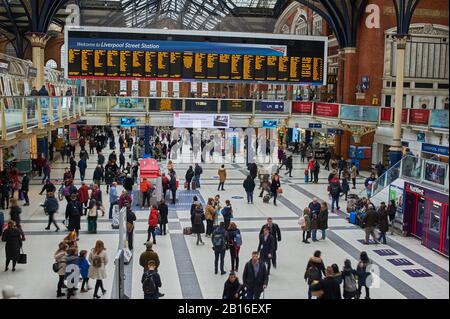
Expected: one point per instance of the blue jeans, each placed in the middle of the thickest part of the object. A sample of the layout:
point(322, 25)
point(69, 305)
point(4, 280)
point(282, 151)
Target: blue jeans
point(111, 205)
point(334, 200)
point(382, 236)
point(324, 233)
point(197, 181)
point(250, 197)
point(314, 234)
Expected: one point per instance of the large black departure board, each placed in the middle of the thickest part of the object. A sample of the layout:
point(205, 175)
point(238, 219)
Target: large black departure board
point(195, 56)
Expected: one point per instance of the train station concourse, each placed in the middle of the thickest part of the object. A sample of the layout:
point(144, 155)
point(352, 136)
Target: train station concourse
point(224, 149)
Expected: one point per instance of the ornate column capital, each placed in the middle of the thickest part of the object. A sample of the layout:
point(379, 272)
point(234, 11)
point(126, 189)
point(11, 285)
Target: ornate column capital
point(37, 39)
point(401, 40)
point(349, 50)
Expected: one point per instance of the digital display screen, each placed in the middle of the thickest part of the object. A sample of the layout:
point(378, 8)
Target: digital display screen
point(270, 124)
point(194, 56)
point(127, 122)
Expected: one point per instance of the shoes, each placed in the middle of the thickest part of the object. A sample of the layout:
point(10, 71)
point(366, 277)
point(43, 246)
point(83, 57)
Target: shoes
point(104, 292)
point(60, 294)
point(6, 269)
point(47, 228)
point(96, 297)
point(307, 242)
point(14, 269)
point(57, 230)
point(223, 272)
point(26, 204)
point(215, 272)
point(83, 290)
point(161, 295)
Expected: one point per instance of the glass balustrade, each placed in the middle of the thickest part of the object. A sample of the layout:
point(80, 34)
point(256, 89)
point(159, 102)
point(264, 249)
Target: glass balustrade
point(45, 110)
point(31, 105)
point(13, 113)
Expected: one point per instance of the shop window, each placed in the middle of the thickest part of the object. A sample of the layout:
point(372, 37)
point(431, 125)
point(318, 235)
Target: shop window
point(435, 222)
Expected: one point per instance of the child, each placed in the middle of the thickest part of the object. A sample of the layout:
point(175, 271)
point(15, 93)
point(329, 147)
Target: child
point(84, 270)
point(306, 173)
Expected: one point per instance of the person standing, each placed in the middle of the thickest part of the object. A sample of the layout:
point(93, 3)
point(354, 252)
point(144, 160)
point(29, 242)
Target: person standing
point(113, 198)
point(60, 261)
point(51, 207)
point(349, 276)
point(148, 255)
point(189, 176)
point(314, 270)
point(152, 223)
point(198, 171)
point(362, 274)
point(222, 177)
point(323, 219)
point(163, 213)
point(275, 231)
point(210, 216)
point(234, 244)
point(73, 214)
point(219, 241)
point(227, 213)
point(121, 160)
point(151, 282)
point(73, 167)
point(310, 168)
point(345, 188)
point(198, 227)
point(173, 187)
point(314, 207)
point(392, 211)
point(342, 164)
point(255, 277)
point(83, 196)
point(316, 171)
point(82, 165)
point(165, 184)
point(331, 287)
point(335, 192)
point(370, 221)
point(46, 170)
point(15, 213)
point(146, 191)
point(13, 238)
point(98, 260)
point(327, 159)
point(266, 247)
point(249, 186)
point(98, 175)
point(368, 184)
point(25, 187)
point(289, 163)
point(305, 225)
point(383, 222)
point(353, 175)
point(274, 187)
point(92, 216)
point(131, 218)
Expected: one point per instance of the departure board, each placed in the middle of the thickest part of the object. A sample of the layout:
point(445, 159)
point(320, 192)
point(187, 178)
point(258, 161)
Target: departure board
point(113, 53)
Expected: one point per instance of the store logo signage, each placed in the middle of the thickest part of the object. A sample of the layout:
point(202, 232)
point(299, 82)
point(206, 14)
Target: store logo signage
point(435, 149)
point(416, 190)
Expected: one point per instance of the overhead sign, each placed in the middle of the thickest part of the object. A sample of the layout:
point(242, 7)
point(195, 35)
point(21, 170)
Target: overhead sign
point(359, 113)
point(270, 106)
point(201, 105)
point(270, 123)
point(326, 109)
point(189, 120)
point(315, 125)
point(435, 149)
point(236, 106)
point(300, 107)
point(119, 53)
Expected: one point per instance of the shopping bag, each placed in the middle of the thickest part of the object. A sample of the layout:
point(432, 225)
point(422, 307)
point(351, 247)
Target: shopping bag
point(22, 258)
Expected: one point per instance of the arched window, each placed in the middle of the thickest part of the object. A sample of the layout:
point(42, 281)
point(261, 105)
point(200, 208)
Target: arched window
point(51, 64)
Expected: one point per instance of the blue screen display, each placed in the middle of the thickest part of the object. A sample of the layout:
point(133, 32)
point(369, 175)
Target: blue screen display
point(127, 121)
point(270, 124)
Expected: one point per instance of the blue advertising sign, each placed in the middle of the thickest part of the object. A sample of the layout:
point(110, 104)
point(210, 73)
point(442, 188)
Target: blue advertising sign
point(315, 125)
point(439, 118)
point(270, 123)
point(359, 113)
point(435, 149)
point(270, 106)
point(335, 131)
point(420, 137)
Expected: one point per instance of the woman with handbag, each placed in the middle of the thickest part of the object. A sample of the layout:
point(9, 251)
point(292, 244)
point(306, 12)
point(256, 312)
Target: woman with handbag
point(98, 260)
point(13, 238)
point(60, 267)
point(275, 187)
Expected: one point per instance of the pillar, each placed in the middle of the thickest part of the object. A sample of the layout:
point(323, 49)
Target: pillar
point(38, 42)
point(395, 152)
point(144, 88)
point(350, 76)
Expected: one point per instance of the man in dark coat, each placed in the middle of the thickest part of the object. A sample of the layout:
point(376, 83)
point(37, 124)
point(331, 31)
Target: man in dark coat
point(370, 221)
point(219, 240)
point(253, 168)
point(266, 248)
point(289, 165)
point(189, 176)
point(163, 213)
point(25, 188)
point(330, 286)
point(128, 183)
point(383, 216)
point(74, 211)
point(255, 277)
point(275, 231)
point(82, 165)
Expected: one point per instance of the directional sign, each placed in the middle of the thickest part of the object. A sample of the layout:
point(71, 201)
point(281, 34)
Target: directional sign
point(315, 125)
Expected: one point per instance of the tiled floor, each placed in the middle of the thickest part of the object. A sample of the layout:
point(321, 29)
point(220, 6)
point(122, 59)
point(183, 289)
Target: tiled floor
point(187, 270)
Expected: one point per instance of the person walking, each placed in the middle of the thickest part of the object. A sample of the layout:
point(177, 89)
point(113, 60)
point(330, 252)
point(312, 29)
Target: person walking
point(13, 238)
point(163, 213)
point(222, 177)
point(316, 171)
point(25, 187)
point(46, 170)
point(363, 274)
point(227, 213)
point(131, 218)
point(323, 219)
point(60, 266)
point(198, 171)
point(353, 175)
point(234, 244)
point(173, 187)
point(392, 211)
point(121, 160)
point(165, 184)
point(249, 186)
point(73, 167)
point(335, 192)
point(83, 196)
point(92, 215)
point(232, 288)
point(266, 248)
point(370, 221)
point(310, 168)
point(255, 277)
point(349, 276)
point(51, 207)
point(219, 241)
point(113, 198)
point(98, 260)
point(146, 189)
point(82, 165)
point(368, 184)
point(152, 223)
point(289, 165)
point(98, 176)
point(149, 255)
point(314, 270)
point(210, 216)
point(275, 231)
point(198, 227)
point(305, 225)
point(189, 176)
point(151, 282)
point(314, 207)
point(83, 263)
point(342, 164)
point(383, 216)
point(345, 188)
point(274, 187)
point(74, 211)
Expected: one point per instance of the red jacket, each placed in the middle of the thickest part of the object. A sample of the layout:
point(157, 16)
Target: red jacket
point(310, 165)
point(153, 217)
point(83, 194)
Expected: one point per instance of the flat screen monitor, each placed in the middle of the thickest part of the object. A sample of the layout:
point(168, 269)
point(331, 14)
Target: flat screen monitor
point(270, 124)
point(127, 122)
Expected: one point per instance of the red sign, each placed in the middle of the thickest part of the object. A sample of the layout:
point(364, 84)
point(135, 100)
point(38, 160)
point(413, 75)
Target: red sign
point(386, 114)
point(419, 116)
point(302, 107)
point(326, 109)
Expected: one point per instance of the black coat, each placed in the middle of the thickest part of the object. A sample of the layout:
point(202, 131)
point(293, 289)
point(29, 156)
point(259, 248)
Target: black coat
point(163, 212)
point(274, 231)
point(331, 288)
point(73, 212)
point(15, 214)
point(274, 186)
point(266, 247)
point(249, 185)
point(231, 289)
point(323, 219)
point(198, 227)
point(384, 220)
point(253, 170)
point(13, 239)
point(25, 184)
point(189, 175)
point(249, 280)
point(128, 183)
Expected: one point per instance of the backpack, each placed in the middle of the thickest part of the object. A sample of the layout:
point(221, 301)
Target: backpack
point(218, 240)
point(302, 221)
point(226, 213)
point(238, 239)
point(350, 283)
point(335, 190)
point(148, 285)
point(97, 261)
point(313, 273)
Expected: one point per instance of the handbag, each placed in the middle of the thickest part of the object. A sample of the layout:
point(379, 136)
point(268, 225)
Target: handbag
point(130, 227)
point(186, 184)
point(22, 258)
point(280, 190)
point(55, 267)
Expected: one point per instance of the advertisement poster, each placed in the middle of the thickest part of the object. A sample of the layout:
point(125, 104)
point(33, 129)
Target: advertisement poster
point(326, 109)
point(435, 172)
point(439, 118)
point(352, 151)
point(359, 113)
point(419, 116)
point(302, 107)
point(396, 194)
point(187, 120)
point(73, 132)
point(386, 113)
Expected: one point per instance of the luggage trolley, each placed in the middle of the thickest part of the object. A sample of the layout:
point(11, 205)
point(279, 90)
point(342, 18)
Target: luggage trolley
point(149, 168)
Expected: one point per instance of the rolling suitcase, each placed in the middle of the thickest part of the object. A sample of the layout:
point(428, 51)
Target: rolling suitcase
point(193, 185)
point(352, 218)
point(115, 217)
